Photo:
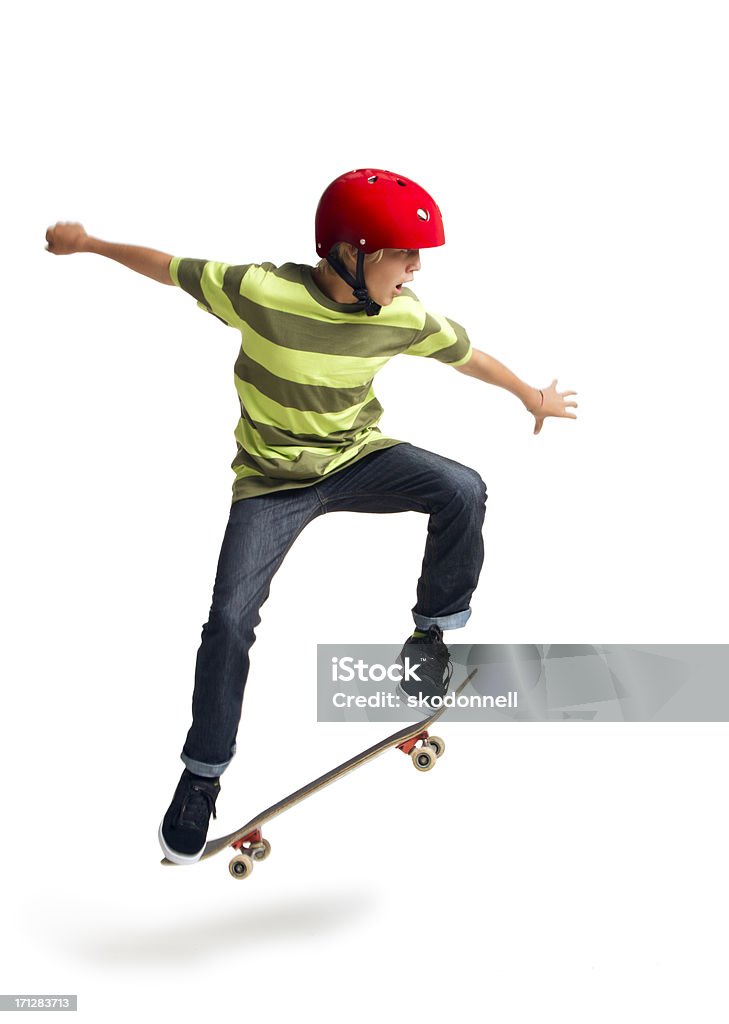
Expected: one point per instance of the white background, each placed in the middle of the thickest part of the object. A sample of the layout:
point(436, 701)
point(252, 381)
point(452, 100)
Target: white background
point(579, 154)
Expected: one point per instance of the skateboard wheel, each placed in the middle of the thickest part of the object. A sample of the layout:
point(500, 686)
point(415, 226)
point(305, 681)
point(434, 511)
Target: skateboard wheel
point(437, 744)
point(260, 849)
point(241, 866)
point(423, 757)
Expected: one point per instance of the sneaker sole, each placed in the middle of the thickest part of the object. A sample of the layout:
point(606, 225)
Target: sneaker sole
point(174, 856)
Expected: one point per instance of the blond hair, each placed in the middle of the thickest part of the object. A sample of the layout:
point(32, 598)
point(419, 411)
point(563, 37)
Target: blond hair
point(340, 251)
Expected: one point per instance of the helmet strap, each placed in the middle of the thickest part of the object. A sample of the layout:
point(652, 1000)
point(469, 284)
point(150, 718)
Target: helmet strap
point(357, 283)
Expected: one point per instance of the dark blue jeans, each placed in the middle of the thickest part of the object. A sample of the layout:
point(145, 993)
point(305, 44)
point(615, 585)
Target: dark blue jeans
point(262, 529)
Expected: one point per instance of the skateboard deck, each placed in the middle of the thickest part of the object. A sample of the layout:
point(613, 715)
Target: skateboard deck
point(413, 739)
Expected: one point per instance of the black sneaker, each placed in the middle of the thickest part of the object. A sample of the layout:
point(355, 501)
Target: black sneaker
point(430, 661)
point(184, 828)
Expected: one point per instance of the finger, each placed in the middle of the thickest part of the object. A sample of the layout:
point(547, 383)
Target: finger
point(570, 405)
point(565, 393)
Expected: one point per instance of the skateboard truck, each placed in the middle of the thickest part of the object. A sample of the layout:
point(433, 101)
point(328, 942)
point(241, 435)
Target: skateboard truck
point(425, 755)
point(255, 847)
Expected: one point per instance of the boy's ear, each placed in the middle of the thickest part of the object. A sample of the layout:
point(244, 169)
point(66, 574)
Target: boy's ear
point(348, 255)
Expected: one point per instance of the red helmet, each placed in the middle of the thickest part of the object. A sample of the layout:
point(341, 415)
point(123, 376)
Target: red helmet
point(374, 209)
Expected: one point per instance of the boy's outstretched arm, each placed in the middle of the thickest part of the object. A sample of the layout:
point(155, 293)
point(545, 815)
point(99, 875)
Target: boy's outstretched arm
point(65, 238)
point(539, 402)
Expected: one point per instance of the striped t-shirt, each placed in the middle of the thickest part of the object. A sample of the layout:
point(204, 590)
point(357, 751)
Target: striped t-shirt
point(306, 365)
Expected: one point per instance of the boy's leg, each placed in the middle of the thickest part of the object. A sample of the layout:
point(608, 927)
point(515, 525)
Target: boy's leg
point(260, 531)
point(404, 479)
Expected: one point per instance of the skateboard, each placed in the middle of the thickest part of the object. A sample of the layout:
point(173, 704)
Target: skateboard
point(248, 841)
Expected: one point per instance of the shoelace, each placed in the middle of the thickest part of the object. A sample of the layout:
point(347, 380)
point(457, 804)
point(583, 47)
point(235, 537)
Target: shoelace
point(444, 683)
point(440, 653)
point(198, 807)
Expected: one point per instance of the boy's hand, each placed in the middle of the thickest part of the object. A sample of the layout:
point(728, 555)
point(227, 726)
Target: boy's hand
point(64, 238)
point(552, 404)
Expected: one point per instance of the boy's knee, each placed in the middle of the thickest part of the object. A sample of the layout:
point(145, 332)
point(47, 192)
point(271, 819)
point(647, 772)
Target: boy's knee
point(472, 487)
point(234, 618)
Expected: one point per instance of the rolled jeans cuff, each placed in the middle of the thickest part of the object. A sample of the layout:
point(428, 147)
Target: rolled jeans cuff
point(454, 621)
point(207, 771)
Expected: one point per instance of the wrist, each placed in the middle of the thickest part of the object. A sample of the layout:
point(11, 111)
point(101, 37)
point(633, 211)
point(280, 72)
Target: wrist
point(534, 400)
point(89, 244)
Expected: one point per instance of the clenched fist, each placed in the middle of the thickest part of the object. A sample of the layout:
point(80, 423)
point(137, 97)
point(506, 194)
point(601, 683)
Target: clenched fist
point(64, 238)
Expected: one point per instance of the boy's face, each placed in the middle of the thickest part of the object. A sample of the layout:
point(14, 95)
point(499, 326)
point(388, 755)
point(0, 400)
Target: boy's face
point(385, 279)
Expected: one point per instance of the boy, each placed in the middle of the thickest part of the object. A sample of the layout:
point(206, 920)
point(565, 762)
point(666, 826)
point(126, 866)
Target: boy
point(312, 340)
